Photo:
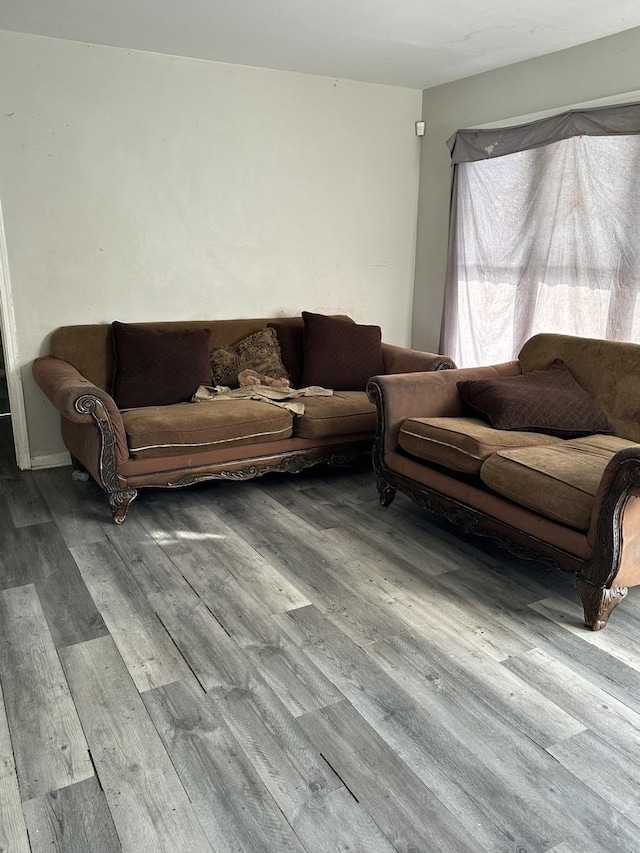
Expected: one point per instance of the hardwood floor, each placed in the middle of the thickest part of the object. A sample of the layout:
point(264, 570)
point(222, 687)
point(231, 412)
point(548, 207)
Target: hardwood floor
point(283, 665)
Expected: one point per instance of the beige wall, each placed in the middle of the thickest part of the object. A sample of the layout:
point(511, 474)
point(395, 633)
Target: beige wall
point(140, 187)
point(592, 71)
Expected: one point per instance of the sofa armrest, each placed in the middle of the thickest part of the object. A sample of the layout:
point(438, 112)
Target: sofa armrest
point(79, 401)
point(615, 521)
point(403, 360)
point(423, 395)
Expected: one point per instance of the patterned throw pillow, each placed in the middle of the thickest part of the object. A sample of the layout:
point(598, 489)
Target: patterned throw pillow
point(259, 352)
point(548, 401)
point(158, 367)
point(340, 354)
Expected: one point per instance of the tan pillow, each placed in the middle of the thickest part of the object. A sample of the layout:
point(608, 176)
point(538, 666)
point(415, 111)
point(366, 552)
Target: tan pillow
point(259, 351)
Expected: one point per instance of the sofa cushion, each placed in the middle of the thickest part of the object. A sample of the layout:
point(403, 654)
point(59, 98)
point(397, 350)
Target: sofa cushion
point(340, 354)
point(548, 401)
point(558, 481)
point(461, 444)
point(158, 367)
point(259, 351)
point(344, 413)
point(290, 338)
point(193, 427)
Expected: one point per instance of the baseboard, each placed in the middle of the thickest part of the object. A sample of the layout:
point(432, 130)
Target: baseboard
point(55, 460)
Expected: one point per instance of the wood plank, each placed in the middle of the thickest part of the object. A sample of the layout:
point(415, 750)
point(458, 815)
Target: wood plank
point(12, 570)
point(612, 774)
point(297, 551)
point(413, 600)
point(619, 640)
point(13, 832)
point(496, 762)
point(147, 563)
point(147, 650)
point(26, 504)
point(369, 600)
point(284, 758)
point(40, 556)
point(408, 813)
point(335, 821)
point(456, 777)
point(299, 684)
point(148, 803)
point(616, 725)
point(201, 537)
point(48, 743)
point(233, 805)
point(211, 654)
point(477, 688)
point(307, 503)
point(572, 649)
point(75, 819)
point(69, 505)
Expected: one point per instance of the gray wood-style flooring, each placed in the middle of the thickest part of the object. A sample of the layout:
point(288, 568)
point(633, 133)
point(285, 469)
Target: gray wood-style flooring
point(283, 665)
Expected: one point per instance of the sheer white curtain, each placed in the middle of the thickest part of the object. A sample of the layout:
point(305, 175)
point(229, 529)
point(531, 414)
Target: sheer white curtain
point(545, 239)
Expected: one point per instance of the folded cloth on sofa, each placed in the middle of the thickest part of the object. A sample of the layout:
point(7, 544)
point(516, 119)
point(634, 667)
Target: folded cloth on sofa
point(286, 398)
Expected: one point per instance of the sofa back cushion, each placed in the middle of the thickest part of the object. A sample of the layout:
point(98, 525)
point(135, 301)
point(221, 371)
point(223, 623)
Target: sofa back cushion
point(89, 348)
point(158, 367)
point(291, 337)
point(340, 354)
point(547, 401)
point(608, 370)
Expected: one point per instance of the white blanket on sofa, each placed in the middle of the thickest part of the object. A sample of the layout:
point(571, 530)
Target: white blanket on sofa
point(286, 398)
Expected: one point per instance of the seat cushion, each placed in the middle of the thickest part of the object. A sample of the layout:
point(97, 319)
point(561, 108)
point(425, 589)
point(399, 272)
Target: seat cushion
point(558, 481)
point(191, 427)
point(461, 444)
point(344, 413)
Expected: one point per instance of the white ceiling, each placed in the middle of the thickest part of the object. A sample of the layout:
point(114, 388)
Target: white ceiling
point(415, 43)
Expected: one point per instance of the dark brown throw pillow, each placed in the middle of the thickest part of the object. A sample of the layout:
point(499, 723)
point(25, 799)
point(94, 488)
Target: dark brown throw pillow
point(290, 338)
point(259, 351)
point(549, 401)
point(158, 367)
point(339, 354)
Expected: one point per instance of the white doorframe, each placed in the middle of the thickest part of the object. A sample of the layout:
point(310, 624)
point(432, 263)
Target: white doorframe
point(12, 358)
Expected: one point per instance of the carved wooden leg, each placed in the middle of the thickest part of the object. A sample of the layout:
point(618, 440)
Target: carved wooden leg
point(387, 493)
point(598, 602)
point(120, 503)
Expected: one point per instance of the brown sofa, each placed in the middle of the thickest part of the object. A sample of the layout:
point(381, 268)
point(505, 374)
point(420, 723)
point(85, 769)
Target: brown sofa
point(574, 502)
point(187, 443)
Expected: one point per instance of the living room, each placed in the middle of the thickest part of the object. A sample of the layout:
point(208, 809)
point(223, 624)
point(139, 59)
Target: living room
point(288, 628)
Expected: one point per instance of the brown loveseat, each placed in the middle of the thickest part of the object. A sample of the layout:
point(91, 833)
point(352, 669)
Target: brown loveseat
point(187, 443)
point(574, 501)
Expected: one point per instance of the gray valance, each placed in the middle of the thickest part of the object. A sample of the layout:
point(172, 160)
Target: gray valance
point(467, 146)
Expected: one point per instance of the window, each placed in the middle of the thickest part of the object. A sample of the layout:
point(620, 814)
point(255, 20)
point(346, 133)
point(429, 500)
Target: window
point(544, 237)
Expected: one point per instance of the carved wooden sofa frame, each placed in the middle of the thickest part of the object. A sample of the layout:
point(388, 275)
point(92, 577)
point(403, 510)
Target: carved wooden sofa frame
point(613, 562)
point(77, 374)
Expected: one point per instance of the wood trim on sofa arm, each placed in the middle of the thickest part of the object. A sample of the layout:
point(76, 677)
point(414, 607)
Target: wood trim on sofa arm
point(601, 580)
